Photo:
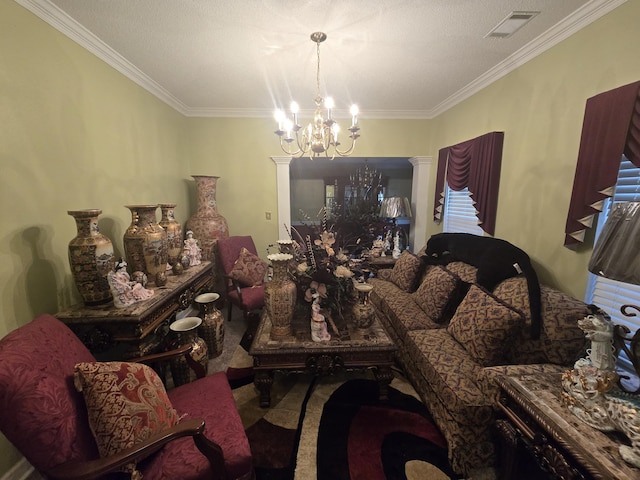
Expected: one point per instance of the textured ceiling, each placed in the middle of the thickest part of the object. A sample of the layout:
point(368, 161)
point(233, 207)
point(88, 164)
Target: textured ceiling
point(394, 58)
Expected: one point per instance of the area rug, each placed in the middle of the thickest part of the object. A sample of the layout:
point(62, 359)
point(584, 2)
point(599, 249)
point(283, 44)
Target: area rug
point(334, 428)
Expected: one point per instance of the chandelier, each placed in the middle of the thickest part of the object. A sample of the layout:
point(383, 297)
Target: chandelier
point(320, 136)
point(365, 183)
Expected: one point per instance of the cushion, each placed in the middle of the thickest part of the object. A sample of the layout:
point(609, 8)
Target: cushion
point(249, 269)
point(406, 270)
point(126, 403)
point(436, 293)
point(483, 325)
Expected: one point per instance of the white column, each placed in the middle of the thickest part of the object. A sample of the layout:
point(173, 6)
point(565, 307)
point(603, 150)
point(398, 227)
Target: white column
point(283, 186)
point(419, 201)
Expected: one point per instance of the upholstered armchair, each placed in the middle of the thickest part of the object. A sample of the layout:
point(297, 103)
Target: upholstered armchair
point(52, 403)
point(244, 272)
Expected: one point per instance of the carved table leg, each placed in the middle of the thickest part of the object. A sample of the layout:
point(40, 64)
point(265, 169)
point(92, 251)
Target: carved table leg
point(383, 375)
point(263, 381)
point(509, 445)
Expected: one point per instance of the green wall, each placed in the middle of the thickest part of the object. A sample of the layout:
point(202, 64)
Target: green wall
point(75, 133)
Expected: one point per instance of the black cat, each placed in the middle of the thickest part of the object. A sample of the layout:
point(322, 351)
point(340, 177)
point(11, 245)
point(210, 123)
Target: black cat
point(495, 259)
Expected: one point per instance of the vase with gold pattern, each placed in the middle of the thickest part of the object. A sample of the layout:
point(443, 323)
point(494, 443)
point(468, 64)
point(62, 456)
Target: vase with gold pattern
point(145, 244)
point(280, 296)
point(91, 258)
point(185, 332)
point(174, 232)
point(212, 328)
point(207, 224)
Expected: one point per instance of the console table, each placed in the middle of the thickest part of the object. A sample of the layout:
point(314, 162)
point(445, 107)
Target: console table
point(121, 333)
point(536, 426)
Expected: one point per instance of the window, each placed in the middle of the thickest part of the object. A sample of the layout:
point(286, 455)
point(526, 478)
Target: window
point(460, 213)
point(609, 294)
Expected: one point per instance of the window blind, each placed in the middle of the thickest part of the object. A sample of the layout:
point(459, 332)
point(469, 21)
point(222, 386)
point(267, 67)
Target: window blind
point(460, 215)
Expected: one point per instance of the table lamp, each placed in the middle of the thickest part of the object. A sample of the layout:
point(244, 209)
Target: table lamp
point(394, 208)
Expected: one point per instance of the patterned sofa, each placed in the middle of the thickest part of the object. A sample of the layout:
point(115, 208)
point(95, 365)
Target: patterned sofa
point(454, 337)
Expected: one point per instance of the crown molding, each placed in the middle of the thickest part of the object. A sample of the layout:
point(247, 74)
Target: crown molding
point(582, 17)
point(83, 37)
point(59, 20)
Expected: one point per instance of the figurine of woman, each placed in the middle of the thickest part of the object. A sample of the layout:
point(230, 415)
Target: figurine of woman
point(125, 292)
point(192, 249)
point(319, 331)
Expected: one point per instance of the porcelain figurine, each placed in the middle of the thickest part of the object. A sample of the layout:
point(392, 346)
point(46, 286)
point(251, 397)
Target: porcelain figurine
point(125, 291)
point(319, 332)
point(192, 249)
point(590, 393)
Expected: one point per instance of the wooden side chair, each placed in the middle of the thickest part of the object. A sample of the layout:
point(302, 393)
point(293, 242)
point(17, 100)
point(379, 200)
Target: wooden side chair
point(190, 432)
point(244, 272)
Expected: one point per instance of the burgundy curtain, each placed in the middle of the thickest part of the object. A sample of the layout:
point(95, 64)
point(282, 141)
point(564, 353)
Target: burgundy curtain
point(611, 128)
point(474, 164)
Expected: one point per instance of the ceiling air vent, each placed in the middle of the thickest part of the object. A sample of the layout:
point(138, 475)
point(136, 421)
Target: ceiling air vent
point(511, 24)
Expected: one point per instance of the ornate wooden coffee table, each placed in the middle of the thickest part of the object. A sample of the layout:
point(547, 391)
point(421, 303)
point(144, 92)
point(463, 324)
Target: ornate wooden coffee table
point(353, 349)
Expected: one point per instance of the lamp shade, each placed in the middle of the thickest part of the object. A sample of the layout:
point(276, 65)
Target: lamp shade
point(616, 254)
point(395, 207)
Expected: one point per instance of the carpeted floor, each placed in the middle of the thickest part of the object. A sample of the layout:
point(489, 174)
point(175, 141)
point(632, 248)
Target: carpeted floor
point(334, 428)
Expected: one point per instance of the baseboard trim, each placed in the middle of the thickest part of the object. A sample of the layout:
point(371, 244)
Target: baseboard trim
point(22, 470)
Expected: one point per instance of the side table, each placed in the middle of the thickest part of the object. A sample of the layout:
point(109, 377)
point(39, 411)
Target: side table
point(121, 333)
point(536, 426)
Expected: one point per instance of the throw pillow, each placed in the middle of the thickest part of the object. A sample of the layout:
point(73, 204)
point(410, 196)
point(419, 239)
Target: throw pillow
point(483, 325)
point(249, 269)
point(126, 404)
point(438, 293)
point(406, 271)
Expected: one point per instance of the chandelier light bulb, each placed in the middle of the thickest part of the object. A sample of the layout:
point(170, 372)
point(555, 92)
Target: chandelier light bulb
point(320, 136)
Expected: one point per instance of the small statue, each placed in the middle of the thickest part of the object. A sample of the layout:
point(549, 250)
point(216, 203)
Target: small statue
point(125, 292)
point(387, 243)
point(319, 331)
point(396, 245)
point(192, 249)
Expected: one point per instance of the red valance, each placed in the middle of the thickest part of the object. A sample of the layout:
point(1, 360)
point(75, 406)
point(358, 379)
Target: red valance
point(611, 128)
point(474, 164)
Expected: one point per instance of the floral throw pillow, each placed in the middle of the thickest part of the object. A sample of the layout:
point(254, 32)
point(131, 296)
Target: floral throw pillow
point(126, 404)
point(406, 270)
point(484, 325)
point(249, 269)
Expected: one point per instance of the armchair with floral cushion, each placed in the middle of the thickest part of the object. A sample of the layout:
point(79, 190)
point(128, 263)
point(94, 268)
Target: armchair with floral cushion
point(244, 273)
point(72, 417)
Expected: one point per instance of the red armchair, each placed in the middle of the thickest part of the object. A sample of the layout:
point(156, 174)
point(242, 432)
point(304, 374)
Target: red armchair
point(246, 293)
point(46, 419)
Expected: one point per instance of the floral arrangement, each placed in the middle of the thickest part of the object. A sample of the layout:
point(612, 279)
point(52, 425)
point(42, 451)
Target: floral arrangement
point(322, 273)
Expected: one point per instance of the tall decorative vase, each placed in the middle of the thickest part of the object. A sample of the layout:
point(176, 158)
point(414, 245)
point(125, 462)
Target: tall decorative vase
point(280, 296)
point(185, 332)
point(212, 328)
point(174, 232)
point(145, 244)
point(207, 224)
point(91, 258)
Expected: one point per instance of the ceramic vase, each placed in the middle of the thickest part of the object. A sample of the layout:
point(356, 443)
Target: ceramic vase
point(280, 296)
point(174, 232)
point(212, 328)
point(363, 312)
point(145, 244)
point(91, 258)
point(207, 224)
point(185, 332)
